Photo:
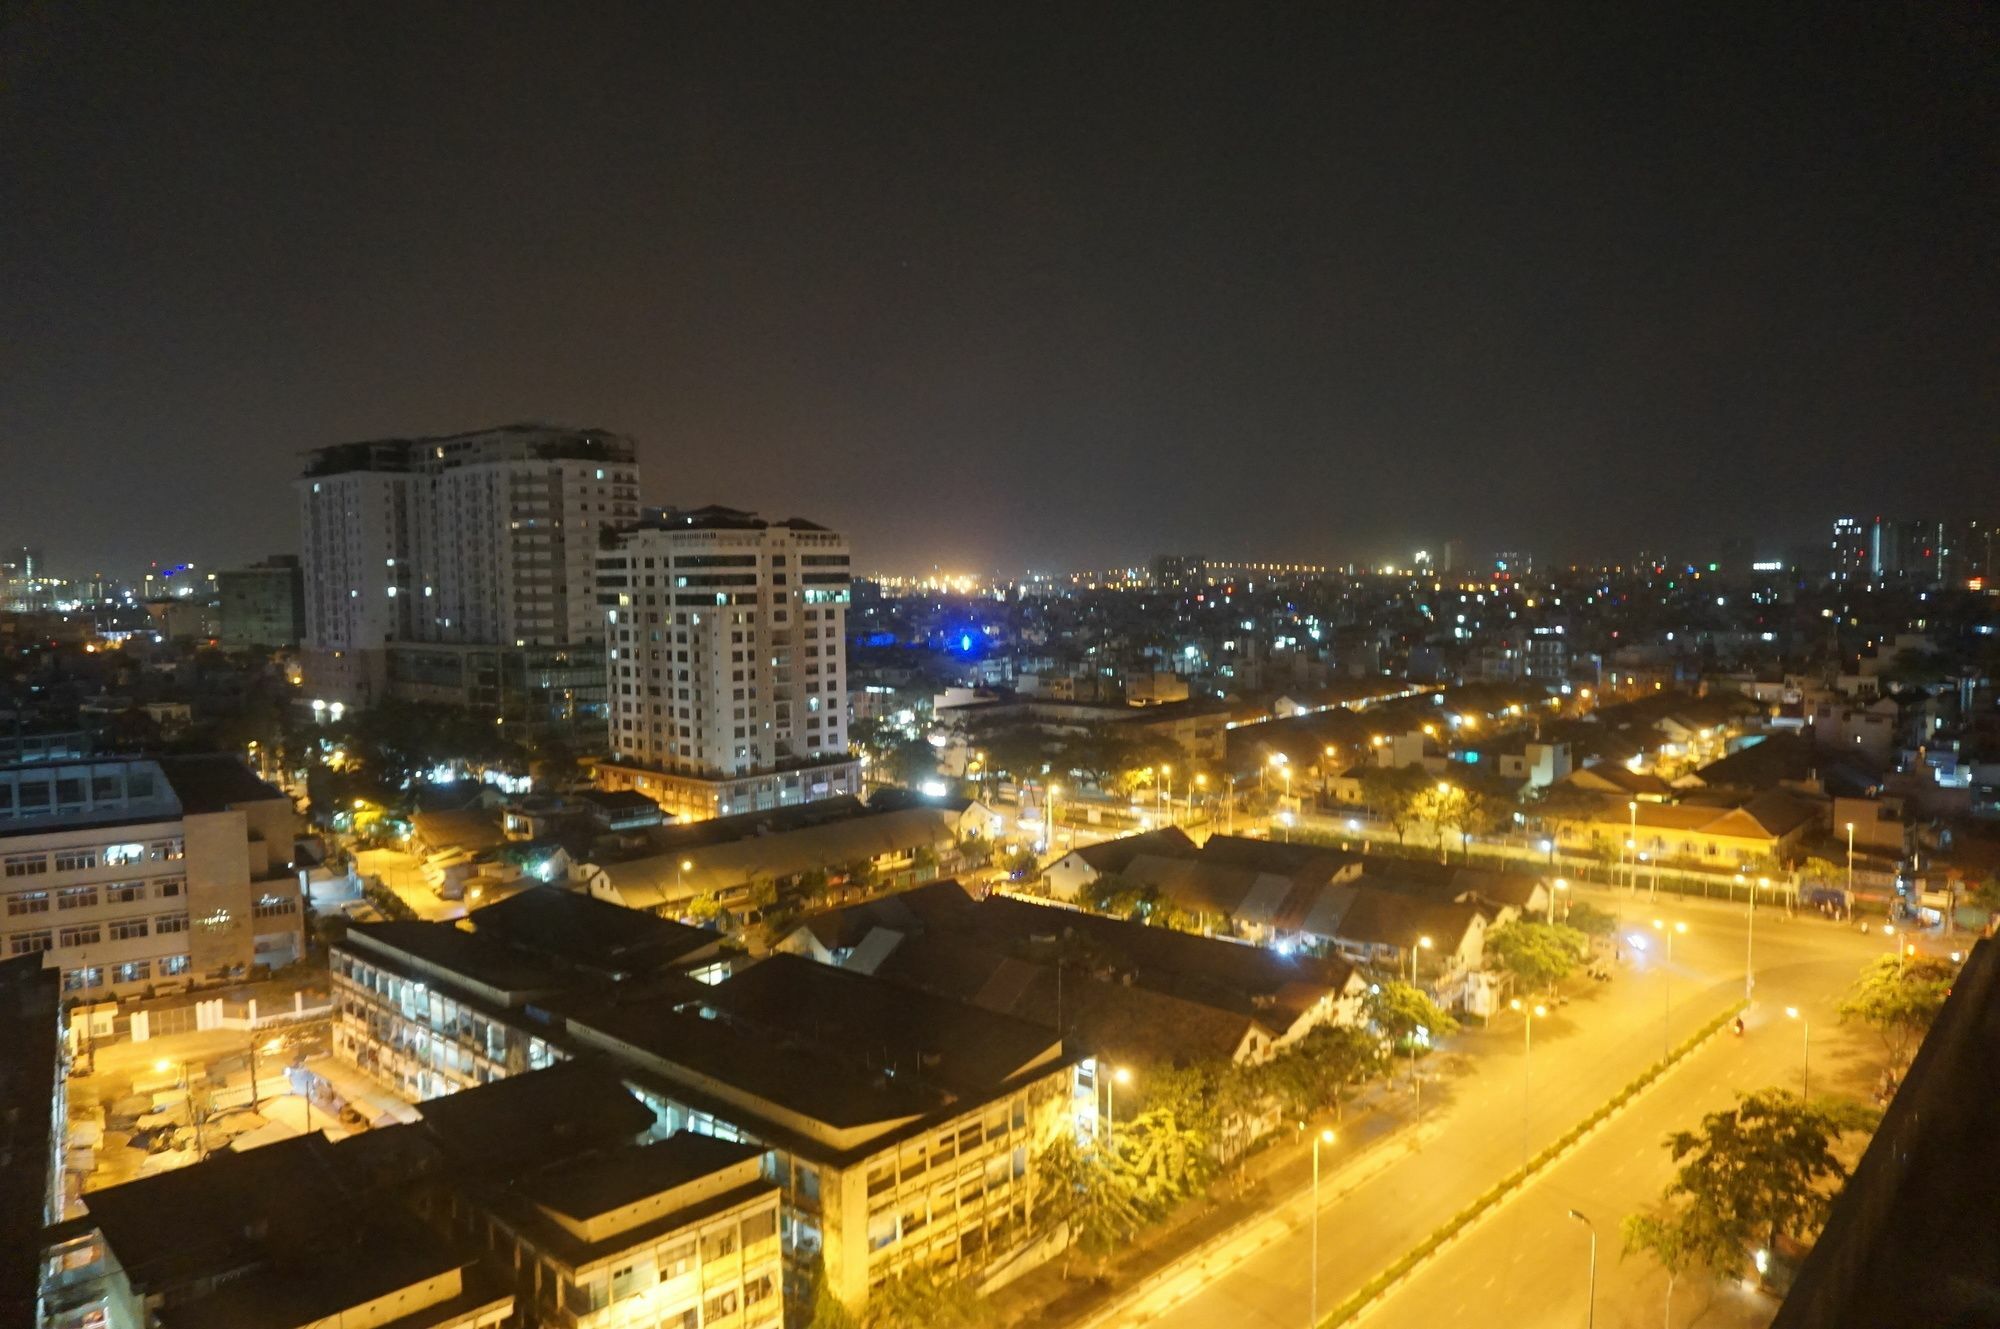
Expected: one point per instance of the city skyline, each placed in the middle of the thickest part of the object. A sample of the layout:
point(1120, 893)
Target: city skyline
point(987, 292)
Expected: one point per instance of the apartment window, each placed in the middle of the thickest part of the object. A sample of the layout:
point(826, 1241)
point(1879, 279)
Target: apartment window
point(718, 1245)
point(132, 971)
point(719, 1305)
point(118, 855)
point(76, 897)
point(759, 1288)
point(163, 851)
point(124, 892)
point(170, 923)
point(75, 860)
point(675, 1260)
point(28, 943)
point(80, 980)
point(168, 888)
point(27, 902)
point(27, 865)
point(760, 1227)
point(87, 934)
point(173, 964)
point(128, 929)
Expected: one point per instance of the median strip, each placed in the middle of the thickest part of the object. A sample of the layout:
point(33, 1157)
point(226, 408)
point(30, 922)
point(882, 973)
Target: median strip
point(1386, 1281)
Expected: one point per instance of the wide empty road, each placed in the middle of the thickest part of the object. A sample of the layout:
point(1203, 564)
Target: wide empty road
point(1478, 1123)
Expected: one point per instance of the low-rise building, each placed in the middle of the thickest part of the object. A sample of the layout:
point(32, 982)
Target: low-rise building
point(902, 1125)
point(433, 1008)
point(130, 873)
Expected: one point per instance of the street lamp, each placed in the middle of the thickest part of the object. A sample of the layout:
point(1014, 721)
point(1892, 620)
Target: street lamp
point(1667, 977)
point(1805, 1050)
point(1201, 783)
point(1560, 886)
point(1167, 787)
point(680, 879)
point(1050, 812)
point(1750, 940)
point(1590, 1312)
point(1850, 860)
point(1423, 944)
point(1632, 842)
point(1119, 1075)
point(1312, 1319)
point(1529, 1016)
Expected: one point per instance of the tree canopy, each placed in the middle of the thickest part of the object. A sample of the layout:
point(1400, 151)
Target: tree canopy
point(1399, 1010)
point(1538, 954)
point(1898, 996)
point(1765, 1167)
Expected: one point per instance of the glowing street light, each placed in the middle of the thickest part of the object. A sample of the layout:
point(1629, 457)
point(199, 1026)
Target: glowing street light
point(1529, 1015)
point(1324, 1137)
point(1805, 1050)
point(1667, 930)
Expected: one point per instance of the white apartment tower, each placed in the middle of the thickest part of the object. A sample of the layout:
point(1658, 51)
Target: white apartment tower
point(728, 662)
point(481, 540)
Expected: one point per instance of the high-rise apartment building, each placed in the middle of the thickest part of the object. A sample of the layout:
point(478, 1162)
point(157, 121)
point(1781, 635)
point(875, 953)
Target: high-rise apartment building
point(1850, 549)
point(460, 569)
point(728, 662)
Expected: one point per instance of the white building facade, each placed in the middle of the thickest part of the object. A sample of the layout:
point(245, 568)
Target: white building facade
point(482, 539)
point(728, 662)
point(131, 874)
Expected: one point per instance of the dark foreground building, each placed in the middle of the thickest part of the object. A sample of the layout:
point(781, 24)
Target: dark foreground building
point(1915, 1237)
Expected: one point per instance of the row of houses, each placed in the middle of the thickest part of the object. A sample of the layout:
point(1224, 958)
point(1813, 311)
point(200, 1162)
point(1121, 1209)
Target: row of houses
point(1428, 921)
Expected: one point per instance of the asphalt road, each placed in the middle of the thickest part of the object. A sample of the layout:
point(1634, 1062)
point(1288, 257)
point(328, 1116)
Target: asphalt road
point(1472, 1132)
point(1528, 1263)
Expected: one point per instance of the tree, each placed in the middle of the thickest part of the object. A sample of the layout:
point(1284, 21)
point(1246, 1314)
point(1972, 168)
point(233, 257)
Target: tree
point(1313, 1072)
point(923, 1297)
point(1087, 1193)
point(1667, 1241)
point(1751, 1173)
point(1590, 920)
point(1820, 870)
point(1400, 1010)
point(1898, 996)
point(1167, 1154)
point(1391, 794)
point(1478, 807)
point(1986, 895)
point(1538, 954)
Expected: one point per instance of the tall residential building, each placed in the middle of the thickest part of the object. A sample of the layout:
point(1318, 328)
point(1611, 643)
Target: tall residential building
point(728, 666)
point(261, 605)
point(459, 569)
point(1850, 550)
point(128, 873)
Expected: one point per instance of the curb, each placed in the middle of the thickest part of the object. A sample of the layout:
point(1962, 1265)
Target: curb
point(1343, 1181)
point(1376, 1290)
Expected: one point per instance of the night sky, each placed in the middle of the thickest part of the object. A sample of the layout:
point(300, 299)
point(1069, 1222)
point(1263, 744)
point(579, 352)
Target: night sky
point(1014, 285)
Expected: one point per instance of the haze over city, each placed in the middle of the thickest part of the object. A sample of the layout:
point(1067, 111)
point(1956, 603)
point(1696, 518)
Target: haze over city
point(1013, 289)
point(777, 666)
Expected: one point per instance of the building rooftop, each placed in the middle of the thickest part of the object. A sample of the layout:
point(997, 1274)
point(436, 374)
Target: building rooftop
point(484, 960)
point(717, 518)
point(1113, 856)
point(522, 1122)
point(834, 1047)
point(603, 1183)
point(589, 933)
point(216, 783)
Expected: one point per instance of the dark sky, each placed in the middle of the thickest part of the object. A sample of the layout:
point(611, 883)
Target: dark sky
point(1008, 285)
